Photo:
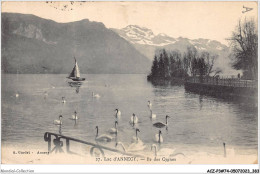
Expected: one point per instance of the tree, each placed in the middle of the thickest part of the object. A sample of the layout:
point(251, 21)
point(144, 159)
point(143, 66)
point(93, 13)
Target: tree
point(166, 65)
point(154, 70)
point(209, 62)
point(191, 56)
point(244, 47)
point(161, 68)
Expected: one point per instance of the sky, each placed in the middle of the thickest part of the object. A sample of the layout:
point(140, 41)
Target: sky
point(208, 20)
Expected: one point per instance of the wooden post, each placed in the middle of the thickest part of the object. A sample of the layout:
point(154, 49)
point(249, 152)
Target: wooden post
point(68, 145)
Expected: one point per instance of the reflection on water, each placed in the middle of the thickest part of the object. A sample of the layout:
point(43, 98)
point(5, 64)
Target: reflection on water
point(75, 85)
point(197, 124)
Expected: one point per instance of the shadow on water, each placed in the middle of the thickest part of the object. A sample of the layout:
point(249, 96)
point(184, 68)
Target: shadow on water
point(164, 83)
point(247, 104)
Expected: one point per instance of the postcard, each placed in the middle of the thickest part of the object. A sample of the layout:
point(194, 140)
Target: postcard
point(129, 82)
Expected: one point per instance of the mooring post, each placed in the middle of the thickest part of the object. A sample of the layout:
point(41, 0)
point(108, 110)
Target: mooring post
point(68, 145)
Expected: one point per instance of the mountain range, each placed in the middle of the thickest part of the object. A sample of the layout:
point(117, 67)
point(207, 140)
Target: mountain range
point(147, 43)
point(34, 45)
point(31, 44)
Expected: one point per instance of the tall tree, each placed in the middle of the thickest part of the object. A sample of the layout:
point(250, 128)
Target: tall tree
point(192, 55)
point(161, 66)
point(166, 65)
point(154, 70)
point(244, 47)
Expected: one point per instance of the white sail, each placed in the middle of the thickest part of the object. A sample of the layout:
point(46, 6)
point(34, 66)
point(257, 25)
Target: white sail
point(76, 70)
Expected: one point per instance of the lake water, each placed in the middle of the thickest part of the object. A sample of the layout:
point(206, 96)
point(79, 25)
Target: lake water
point(197, 123)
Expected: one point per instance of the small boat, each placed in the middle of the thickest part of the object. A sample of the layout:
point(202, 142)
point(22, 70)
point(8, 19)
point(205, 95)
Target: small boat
point(75, 74)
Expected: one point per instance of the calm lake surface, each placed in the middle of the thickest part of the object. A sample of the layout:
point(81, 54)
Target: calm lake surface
point(197, 123)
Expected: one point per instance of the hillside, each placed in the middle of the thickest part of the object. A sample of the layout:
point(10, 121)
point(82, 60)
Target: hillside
point(34, 45)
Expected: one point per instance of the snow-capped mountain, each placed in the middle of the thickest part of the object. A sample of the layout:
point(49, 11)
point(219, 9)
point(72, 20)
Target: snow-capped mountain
point(144, 36)
point(147, 43)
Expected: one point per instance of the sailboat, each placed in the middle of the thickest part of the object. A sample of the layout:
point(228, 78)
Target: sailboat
point(75, 74)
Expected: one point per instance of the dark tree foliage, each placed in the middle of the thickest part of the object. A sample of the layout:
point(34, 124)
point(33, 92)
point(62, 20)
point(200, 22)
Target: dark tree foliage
point(155, 67)
point(173, 66)
point(244, 48)
point(168, 66)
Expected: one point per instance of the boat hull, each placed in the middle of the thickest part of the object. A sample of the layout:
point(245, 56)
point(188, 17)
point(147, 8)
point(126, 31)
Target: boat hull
point(77, 79)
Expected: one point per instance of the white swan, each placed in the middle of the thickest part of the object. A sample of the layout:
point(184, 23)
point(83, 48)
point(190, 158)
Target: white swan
point(160, 124)
point(158, 137)
point(153, 116)
point(135, 138)
point(149, 105)
point(58, 122)
point(103, 137)
point(118, 113)
point(137, 146)
point(17, 95)
point(134, 119)
point(132, 147)
point(63, 100)
point(165, 152)
point(136, 143)
point(95, 95)
point(75, 117)
point(114, 130)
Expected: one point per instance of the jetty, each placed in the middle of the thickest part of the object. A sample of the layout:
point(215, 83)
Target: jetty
point(223, 87)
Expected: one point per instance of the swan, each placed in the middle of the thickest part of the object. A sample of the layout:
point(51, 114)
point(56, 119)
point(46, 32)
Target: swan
point(103, 137)
point(137, 144)
point(135, 138)
point(160, 124)
point(134, 119)
point(158, 137)
point(58, 122)
point(153, 116)
point(132, 147)
point(17, 95)
point(114, 130)
point(118, 113)
point(149, 105)
point(95, 95)
point(63, 100)
point(165, 152)
point(75, 117)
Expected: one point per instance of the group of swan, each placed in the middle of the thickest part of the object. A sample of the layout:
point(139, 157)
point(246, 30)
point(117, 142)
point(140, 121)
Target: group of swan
point(114, 130)
point(59, 121)
point(158, 137)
